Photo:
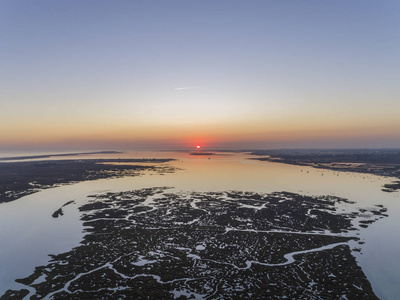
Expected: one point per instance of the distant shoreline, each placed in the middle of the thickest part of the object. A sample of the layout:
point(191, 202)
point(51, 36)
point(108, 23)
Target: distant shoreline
point(55, 155)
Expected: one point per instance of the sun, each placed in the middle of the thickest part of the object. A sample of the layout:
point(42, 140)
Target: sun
point(198, 147)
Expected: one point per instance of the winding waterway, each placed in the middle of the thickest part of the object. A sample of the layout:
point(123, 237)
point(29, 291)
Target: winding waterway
point(28, 232)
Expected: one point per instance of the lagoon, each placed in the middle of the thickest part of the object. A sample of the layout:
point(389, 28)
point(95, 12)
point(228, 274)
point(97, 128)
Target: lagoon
point(29, 232)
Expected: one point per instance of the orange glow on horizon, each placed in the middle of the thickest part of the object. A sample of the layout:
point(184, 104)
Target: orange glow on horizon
point(246, 135)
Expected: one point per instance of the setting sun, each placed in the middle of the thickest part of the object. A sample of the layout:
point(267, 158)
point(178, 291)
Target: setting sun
point(198, 147)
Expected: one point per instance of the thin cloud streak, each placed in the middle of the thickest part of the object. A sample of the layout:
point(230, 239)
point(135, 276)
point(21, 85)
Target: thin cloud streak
point(183, 88)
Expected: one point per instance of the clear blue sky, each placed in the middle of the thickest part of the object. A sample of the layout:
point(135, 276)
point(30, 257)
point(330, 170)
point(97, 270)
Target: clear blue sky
point(228, 74)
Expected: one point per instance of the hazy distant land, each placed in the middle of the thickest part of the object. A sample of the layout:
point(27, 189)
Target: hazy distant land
point(150, 243)
point(55, 155)
point(202, 153)
point(382, 162)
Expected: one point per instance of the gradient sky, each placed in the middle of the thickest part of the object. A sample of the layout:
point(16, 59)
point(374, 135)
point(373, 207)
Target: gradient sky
point(225, 74)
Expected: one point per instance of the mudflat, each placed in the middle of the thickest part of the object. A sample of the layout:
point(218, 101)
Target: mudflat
point(152, 243)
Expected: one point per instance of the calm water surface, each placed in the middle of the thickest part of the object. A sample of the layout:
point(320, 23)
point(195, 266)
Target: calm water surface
point(28, 233)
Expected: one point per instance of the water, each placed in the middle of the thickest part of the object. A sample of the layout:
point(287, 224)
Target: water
point(29, 233)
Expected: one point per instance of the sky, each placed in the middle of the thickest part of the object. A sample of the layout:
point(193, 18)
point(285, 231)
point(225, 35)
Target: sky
point(224, 74)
